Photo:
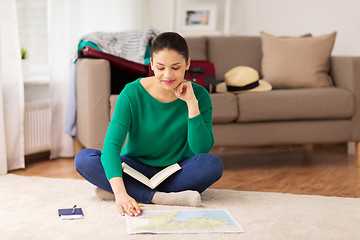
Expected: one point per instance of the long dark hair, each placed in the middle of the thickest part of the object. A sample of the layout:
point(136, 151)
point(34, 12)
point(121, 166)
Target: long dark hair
point(172, 41)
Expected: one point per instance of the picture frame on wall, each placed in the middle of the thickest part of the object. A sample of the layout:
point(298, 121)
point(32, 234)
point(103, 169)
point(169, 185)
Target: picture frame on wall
point(202, 17)
point(197, 17)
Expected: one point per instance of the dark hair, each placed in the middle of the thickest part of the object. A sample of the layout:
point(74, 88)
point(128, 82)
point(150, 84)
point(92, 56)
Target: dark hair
point(170, 40)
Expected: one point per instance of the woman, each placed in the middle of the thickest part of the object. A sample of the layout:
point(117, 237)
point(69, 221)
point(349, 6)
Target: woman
point(166, 120)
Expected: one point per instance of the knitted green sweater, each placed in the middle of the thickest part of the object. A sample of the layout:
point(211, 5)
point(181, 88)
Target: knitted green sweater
point(158, 134)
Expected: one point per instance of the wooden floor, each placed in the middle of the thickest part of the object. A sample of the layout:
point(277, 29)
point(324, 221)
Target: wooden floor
point(328, 171)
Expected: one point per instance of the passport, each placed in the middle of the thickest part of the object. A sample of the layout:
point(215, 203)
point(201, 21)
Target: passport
point(67, 213)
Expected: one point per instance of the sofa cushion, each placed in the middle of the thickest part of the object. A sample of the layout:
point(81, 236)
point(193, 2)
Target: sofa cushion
point(112, 100)
point(298, 62)
point(225, 108)
point(228, 52)
point(197, 48)
point(296, 104)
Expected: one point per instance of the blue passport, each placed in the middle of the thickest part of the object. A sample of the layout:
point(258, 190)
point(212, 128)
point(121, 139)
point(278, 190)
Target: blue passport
point(67, 213)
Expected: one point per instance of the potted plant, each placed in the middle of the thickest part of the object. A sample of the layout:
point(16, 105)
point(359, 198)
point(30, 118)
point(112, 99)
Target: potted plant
point(24, 54)
point(25, 62)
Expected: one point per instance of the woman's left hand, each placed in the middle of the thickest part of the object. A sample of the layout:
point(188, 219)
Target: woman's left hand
point(185, 91)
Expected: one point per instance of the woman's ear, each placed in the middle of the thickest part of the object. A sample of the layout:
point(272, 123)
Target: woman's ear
point(188, 64)
point(151, 63)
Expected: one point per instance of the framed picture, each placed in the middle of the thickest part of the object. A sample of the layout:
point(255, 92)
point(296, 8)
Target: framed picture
point(197, 17)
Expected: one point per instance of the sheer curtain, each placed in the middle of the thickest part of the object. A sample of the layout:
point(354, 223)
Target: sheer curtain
point(11, 91)
point(68, 22)
point(60, 51)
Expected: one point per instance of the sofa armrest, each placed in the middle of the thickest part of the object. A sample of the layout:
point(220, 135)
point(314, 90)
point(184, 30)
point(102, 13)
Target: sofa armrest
point(345, 72)
point(93, 81)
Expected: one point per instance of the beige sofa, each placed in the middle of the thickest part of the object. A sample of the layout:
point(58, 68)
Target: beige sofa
point(281, 116)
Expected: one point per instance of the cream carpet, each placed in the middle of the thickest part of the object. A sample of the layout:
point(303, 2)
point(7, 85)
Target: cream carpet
point(29, 206)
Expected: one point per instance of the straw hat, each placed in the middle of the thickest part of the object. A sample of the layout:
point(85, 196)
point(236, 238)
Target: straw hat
point(243, 79)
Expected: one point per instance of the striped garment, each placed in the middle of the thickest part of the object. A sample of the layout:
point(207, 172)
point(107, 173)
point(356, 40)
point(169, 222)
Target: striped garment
point(130, 45)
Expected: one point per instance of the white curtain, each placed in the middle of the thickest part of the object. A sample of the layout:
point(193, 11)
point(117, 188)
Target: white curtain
point(60, 62)
point(11, 91)
point(69, 20)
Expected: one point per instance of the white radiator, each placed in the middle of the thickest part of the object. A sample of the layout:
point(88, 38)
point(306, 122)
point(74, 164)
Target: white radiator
point(37, 127)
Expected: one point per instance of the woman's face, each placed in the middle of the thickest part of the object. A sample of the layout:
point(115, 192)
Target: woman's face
point(169, 68)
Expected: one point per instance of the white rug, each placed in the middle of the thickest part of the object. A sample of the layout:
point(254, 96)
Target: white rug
point(28, 210)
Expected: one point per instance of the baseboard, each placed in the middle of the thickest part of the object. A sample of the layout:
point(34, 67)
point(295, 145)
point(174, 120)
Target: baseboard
point(37, 157)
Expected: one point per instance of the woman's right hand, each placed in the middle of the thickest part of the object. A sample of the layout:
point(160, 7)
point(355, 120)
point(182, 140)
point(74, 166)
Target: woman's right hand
point(124, 202)
point(127, 204)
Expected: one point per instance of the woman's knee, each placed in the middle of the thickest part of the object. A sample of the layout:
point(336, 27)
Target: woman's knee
point(82, 158)
point(79, 158)
point(219, 165)
point(214, 164)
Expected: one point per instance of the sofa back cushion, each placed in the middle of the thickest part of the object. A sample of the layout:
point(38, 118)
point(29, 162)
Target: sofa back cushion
point(197, 48)
point(297, 62)
point(228, 52)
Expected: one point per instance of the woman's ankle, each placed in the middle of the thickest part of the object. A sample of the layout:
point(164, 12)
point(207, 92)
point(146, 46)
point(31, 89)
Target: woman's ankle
point(104, 195)
point(185, 198)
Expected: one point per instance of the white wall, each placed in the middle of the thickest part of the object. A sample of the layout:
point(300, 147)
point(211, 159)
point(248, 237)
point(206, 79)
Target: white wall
point(283, 17)
point(161, 14)
point(107, 16)
point(294, 17)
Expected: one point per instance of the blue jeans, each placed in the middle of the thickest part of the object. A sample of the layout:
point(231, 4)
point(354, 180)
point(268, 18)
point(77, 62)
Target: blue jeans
point(197, 173)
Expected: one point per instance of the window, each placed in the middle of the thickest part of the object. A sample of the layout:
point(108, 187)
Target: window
point(33, 34)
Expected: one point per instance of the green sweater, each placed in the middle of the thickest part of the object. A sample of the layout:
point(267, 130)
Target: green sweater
point(158, 134)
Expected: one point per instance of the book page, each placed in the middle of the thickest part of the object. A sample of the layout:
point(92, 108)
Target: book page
point(137, 175)
point(156, 179)
point(163, 174)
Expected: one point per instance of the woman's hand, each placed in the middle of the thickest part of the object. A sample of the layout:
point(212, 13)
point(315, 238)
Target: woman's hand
point(185, 91)
point(127, 204)
point(124, 202)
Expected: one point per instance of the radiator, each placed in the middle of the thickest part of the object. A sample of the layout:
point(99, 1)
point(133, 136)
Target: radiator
point(37, 127)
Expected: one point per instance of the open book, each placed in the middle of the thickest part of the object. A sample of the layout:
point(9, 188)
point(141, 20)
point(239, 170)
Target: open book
point(156, 179)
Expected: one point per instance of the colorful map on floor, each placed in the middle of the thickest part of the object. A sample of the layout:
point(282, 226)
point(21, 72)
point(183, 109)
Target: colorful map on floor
point(185, 221)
